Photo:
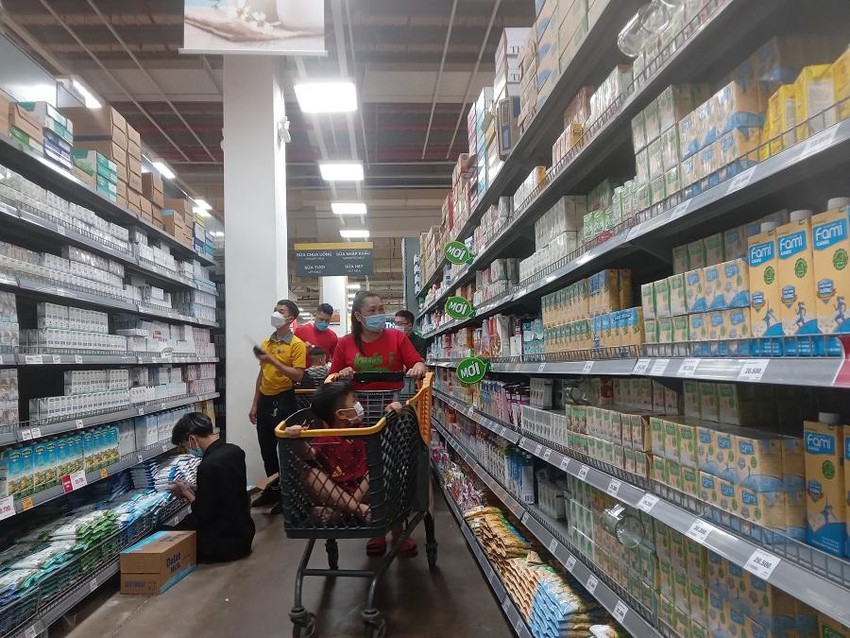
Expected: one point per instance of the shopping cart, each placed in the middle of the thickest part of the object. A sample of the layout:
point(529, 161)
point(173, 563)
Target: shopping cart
point(399, 490)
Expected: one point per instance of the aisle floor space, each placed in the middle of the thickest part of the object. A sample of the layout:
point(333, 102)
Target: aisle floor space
point(252, 598)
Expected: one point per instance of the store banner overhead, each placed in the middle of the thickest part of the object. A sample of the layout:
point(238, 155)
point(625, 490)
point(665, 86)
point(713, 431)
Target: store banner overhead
point(333, 260)
point(259, 27)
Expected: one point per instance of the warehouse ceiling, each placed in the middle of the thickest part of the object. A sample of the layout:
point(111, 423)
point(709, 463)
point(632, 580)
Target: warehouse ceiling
point(417, 66)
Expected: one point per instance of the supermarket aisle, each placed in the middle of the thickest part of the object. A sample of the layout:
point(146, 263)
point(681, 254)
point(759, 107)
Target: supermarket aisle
point(252, 598)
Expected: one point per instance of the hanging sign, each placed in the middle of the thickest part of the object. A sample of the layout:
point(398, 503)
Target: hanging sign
point(259, 27)
point(458, 254)
point(333, 260)
point(459, 308)
point(471, 370)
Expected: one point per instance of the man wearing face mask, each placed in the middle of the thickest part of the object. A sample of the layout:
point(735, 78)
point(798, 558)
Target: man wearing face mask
point(221, 513)
point(283, 358)
point(318, 333)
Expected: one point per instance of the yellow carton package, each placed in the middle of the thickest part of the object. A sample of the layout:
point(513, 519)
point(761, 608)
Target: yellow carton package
point(815, 95)
point(782, 118)
point(841, 79)
point(831, 251)
point(825, 487)
point(796, 277)
point(764, 287)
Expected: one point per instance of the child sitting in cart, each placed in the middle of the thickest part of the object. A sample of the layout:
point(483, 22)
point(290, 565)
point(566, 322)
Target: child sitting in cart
point(337, 473)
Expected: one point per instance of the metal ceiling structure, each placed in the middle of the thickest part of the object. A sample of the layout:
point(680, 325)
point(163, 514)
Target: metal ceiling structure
point(417, 65)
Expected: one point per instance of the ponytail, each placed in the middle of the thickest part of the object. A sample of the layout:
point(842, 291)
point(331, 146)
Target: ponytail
point(357, 327)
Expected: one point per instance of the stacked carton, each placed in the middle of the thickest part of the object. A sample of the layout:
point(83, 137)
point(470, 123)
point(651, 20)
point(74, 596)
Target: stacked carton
point(25, 130)
point(177, 220)
point(457, 202)
point(105, 131)
point(4, 115)
point(57, 131)
point(546, 30)
point(477, 121)
point(528, 82)
point(152, 190)
point(97, 170)
point(506, 88)
point(136, 202)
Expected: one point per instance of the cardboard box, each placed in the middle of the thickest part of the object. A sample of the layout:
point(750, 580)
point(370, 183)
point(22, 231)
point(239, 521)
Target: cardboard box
point(99, 124)
point(133, 137)
point(109, 149)
point(25, 121)
point(134, 181)
point(183, 206)
point(156, 563)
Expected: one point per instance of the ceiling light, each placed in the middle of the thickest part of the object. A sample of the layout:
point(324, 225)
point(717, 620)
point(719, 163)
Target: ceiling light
point(353, 286)
point(201, 212)
point(341, 171)
point(354, 234)
point(348, 208)
point(89, 99)
point(202, 203)
point(163, 169)
point(217, 233)
point(337, 96)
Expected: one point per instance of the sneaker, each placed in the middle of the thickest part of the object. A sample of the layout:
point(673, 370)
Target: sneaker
point(268, 497)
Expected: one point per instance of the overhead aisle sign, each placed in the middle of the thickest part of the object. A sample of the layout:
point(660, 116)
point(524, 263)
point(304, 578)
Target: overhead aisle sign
point(334, 260)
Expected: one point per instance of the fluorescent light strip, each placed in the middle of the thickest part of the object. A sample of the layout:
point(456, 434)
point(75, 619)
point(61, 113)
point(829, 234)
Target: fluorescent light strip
point(163, 169)
point(348, 208)
point(336, 96)
point(354, 234)
point(88, 97)
point(341, 171)
point(353, 286)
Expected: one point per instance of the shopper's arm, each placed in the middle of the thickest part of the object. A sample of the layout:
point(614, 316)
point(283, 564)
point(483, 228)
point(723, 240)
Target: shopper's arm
point(203, 506)
point(411, 359)
point(252, 415)
point(288, 371)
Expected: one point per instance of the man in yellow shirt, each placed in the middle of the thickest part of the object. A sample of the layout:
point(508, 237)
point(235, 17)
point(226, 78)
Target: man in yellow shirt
point(283, 358)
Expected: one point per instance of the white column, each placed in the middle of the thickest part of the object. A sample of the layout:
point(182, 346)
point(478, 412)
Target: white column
point(255, 247)
point(333, 290)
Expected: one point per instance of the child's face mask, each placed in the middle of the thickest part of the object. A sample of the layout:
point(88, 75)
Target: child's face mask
point(352, 415)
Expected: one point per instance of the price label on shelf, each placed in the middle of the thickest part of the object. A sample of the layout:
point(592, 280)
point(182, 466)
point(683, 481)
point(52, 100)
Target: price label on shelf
point(762, 563)
point(78, 480)
point(582, 472)
point(614, 487)
point(26, 435)
point(688, 367)
point(36, 433)
point(641, 366)
point(56, 359)
point(541, 368)
point(92, 584)
point(33, 359)
point(565, 463)
point(546, 454)
point(620, 611)
point(78, 359)
point(740, 180)
point(659, 367)
point(140, 458)
point(588, 366)
point(753, 370)
point(699, 530)
point(571, 563)
point(819, 142)
point(164, 448)
point(7, 507)
point(60, 229)
point(553, 545)
point(79, 424)
point(30, 632)
point(538, 449)
point(681, 209)
point(1, 359)
point(141, 411)
point(104, 473)
point(592, 582)
point(647, 502)
point(27, 504)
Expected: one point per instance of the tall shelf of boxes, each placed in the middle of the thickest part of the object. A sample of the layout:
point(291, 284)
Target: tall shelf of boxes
point(660, 308)
point(106, 308)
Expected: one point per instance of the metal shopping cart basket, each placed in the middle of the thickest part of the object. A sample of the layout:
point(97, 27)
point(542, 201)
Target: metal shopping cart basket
point(399, 489)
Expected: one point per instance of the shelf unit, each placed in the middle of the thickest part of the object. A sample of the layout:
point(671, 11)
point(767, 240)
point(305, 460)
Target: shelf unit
point(809, 575)
point(86, 359)
point(505, 601)
point(555, 541)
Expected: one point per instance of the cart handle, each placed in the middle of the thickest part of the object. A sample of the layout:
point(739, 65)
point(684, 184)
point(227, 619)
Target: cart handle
point(369, 377)
point(280, 430)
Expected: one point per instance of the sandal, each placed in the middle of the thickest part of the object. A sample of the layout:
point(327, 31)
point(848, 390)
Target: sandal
point(376, 546)
point(408, 549)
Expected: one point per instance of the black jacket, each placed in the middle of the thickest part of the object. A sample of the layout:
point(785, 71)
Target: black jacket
point(420, 344)
point(222, 507)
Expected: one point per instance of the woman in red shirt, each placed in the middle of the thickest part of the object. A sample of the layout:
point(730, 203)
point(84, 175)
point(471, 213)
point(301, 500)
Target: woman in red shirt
point(371, 347)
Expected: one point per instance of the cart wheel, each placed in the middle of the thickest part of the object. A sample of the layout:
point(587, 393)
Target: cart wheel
point(432, 556)
point(333, 553)
point(305, 628)
point(377, 629)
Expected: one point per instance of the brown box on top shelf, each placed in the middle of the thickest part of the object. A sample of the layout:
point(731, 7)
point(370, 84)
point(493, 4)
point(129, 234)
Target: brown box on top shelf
point(183, 206)
point(156, 211)
point(134, 202)
point(108, 148)
point(98, 124)
point(134, 181)
point(4, 115)
point(25, 121)
point(146, 207)
point(152, 188)
point(133, 137)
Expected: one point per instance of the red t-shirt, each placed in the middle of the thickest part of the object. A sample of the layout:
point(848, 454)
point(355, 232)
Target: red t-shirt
point(391, 352)
point(344, 460)
point(324, 339)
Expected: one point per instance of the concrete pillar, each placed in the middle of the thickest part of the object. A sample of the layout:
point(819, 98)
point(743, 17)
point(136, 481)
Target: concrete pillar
point(333, 290)
point(255, 248)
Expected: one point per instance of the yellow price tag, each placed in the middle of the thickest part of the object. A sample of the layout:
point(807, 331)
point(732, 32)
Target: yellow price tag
point(27, 503)
point(103, 473)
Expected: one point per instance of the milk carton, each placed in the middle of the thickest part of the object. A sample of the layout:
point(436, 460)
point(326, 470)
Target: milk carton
point(796, 276)
point(831, 247)
point(825, 486)
point(764, 286)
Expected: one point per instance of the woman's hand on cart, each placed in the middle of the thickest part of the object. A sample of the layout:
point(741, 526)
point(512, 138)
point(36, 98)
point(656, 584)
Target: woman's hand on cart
point(294, 431)
point(346, 373)
point(395, 406)
point(418, 370)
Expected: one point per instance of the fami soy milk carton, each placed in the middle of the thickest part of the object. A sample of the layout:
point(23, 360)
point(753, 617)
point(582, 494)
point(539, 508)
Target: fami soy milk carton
point(825, 498)
point(797, 282)
point(831, 247)
point(765, 300)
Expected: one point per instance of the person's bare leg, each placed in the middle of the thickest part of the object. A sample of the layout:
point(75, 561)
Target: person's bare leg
point(325, 491)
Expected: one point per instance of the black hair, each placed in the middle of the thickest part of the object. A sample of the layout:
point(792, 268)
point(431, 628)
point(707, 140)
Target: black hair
point(317, 352)
point(196, 423)
point(406, 315)
point(328, 399)
point(357, 306)
point(291, 307)
point(325, 309)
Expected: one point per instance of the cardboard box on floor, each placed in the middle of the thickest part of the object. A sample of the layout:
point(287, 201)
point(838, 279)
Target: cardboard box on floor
point(158, 562)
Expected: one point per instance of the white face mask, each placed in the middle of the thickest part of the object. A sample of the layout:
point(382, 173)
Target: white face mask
point(277, 320)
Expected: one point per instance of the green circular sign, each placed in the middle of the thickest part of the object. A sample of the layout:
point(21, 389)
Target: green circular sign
point(459, 308)
point(457, 253)
point(471, 370)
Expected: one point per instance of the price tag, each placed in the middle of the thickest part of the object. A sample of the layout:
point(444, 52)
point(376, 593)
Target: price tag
point(470, 411)
point(699, 531)
point(56, 359)
point(547, 454)
point(762, 564)
point(7, 507)
point(165, 356)
point(1, 359)
point(165, 448)
point(582, 472)
point(78, 359)
point(592, 582)
point(30, 632)
point(27, 503)
point(571, 563)
point(538, 449)
point(647, 502)
point(36, 433)
point(60, 229)
point(753, 370)
point(141, 411)
point(565, 463)
point(588, 366)
point(740, 180)
point(659, 367)
point(78, 480)
point(620, 611)
point(614, 487)
point(680, 210)
point(641, 366)
point(92, 584)
point(819, 142)
point(541, 368)
point(688, 367)
point(140, 457)
point(33, 359)
point(553, 545)
point(79, 424)
point(103, 473)
point(26, 435)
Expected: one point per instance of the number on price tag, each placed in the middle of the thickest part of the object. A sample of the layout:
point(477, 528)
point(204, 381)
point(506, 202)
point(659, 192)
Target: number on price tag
point(79, 424)
point(60, 229)
point(553, 545)
point(614, 487)
point(753, 370)
point(565, 463)
point(27, 503)
point(33, 359)
point(165, 448)
point(538, 449)
point(688, 367)
point(659, 367)
point(647, 502)
point(588, 366)
point(699, 530)
point(571, 563)
point(92, 584)
point(547, 454)
point(78, 480)
point(141, 411)
point(140, 457)
point(56, 359)
point(641, 366)
point(78, 359)
point(620, 611)
point(592, 582)
point(762, 564)
point(7, 507)
point(740, 180)
point(103, 473)
point(30, 632)
point(541, 368)
point(26, 435)
point(582, 472)
point(819, 142)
